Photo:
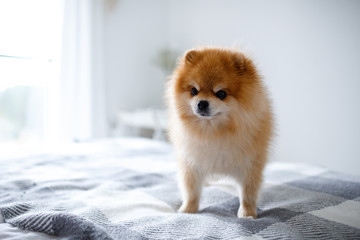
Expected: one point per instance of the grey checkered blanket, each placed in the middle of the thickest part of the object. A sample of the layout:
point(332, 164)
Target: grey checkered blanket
point(127, 189)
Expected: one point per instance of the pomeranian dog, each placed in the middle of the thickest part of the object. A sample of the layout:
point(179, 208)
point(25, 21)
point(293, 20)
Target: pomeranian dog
point(221, 124)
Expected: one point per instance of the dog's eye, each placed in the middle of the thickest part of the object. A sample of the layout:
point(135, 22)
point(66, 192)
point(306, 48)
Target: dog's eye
point(194, 92)
point(221, 94)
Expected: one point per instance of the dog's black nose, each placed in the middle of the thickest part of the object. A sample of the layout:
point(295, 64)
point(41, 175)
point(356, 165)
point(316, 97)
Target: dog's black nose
point(203, 105)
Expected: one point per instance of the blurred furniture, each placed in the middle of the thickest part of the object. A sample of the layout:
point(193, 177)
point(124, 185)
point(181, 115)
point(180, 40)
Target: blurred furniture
point(134, 121)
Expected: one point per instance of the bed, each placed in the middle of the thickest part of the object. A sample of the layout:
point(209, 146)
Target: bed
point(126, 189)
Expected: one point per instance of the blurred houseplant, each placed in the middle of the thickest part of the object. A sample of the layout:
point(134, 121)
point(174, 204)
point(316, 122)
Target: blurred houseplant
point(166, 60)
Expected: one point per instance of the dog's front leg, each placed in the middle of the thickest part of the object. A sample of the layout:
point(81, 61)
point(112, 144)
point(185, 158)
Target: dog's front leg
point(191, 183)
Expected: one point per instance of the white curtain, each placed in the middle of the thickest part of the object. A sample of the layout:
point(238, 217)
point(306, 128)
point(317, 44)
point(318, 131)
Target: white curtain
point(82, 112)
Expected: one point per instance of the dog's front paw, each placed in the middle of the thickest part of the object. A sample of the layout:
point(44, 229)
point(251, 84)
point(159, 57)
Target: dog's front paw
point(188, 208)
point(246, 213)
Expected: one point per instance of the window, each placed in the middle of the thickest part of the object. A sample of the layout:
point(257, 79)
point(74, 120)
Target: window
point(30, 41)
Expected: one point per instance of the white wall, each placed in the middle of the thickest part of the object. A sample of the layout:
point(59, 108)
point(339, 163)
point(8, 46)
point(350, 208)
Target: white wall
point(308, 52)
point(135, 30)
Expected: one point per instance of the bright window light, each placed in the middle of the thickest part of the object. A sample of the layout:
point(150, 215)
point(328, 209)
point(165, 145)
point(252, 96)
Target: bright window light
point(30, 44)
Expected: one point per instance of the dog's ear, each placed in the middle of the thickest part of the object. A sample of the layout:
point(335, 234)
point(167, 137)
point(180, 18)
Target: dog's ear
point(191, 56)
point(240, 63)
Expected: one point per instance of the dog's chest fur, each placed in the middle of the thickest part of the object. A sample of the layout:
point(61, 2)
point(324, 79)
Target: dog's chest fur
point(220, 156)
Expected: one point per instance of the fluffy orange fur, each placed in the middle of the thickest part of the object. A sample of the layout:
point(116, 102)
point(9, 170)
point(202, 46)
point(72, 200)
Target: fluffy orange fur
point(228, 136)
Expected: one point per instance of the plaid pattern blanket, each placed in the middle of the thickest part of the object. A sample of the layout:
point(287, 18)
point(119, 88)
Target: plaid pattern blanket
point(127, 189)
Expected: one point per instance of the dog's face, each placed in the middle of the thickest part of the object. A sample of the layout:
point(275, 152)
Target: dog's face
point(204, 105)
point(212, 86)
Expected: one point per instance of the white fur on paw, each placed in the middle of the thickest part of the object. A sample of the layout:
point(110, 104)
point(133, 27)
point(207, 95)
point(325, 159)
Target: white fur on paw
point(241, 214)
point(181, 209)
point(185, 208)
point(248, 217)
